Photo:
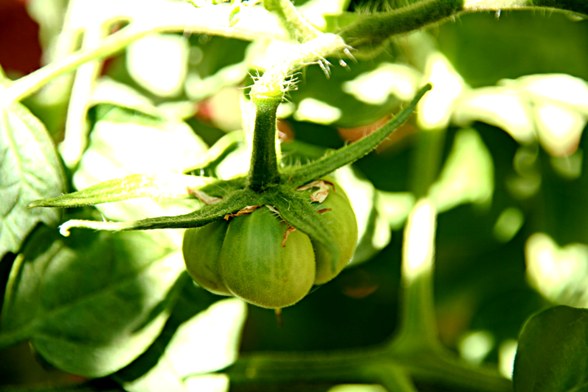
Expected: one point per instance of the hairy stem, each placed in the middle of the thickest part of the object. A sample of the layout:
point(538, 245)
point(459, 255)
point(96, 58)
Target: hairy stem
point(275, 80)
point(172, 17)
point(378, 27)
point(374, 29)
point(264, 163)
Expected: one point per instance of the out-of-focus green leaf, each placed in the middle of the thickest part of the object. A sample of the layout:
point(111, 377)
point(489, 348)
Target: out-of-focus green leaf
point(560, 274)
point(373, 230)
point(434, 110)
point(29, 170)
point(352, 96)
point(500, 106)
point(159, 63)
point(109, 94)
point(468, 175)
point(205, 343)
point(487, 47)
point(214, 63)
point(125, 142)
point(91, 304)
point(552, 353)
point(549, 108)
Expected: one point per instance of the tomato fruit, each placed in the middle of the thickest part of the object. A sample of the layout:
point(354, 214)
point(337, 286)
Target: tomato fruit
point(340, 219)
point(260, 258)
point(201, 249)
point(256, 267)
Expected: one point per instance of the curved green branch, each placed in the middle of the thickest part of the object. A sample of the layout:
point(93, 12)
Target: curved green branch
point(374, 29)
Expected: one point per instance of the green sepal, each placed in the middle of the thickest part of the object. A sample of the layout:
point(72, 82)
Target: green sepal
point(232, 203)
point(297, 210)
point(330, 162)
point(129, 187)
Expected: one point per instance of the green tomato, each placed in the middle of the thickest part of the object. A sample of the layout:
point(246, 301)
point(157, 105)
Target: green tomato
point(251, 258)
point(340, 219)
point(201, 249)
point(259, 266)
point(259, 258)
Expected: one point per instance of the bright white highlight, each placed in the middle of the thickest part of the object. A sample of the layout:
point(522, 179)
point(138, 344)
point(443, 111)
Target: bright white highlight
point(419, 241)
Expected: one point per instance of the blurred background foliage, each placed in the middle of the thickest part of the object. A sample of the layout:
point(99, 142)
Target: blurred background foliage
point(512, 177)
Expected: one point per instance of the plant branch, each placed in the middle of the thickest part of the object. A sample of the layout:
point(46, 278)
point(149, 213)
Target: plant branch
point(365, 366)
point(254, 22)
point(374, 29)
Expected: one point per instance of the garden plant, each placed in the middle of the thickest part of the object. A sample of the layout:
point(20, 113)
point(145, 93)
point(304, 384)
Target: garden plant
point(326, 195)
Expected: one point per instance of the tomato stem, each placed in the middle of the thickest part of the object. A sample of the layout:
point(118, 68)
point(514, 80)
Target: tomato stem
point(263, 171)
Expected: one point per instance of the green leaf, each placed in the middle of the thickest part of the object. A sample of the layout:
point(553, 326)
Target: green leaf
point(204, 343)
point(29, 170)
point(91, 304)
point(468, 173)
point(552, 353)
point(159, 63)
point(549, 108)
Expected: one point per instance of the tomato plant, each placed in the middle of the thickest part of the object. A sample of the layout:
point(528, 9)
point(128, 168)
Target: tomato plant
point(402, 182)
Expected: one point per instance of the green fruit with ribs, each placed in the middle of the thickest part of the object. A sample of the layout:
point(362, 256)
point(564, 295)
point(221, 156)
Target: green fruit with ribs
point(260, 258)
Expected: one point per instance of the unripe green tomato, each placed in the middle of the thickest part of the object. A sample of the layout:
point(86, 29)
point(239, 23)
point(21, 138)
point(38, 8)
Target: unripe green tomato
point(340, 219)
point(257, 265)
point(201, 249)
point(257, 257)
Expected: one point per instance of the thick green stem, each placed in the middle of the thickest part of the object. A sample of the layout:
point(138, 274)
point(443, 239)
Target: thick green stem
point(418, 331)
point(372, 30)
point(263, 171)
point(375, 28)
point(363, 366)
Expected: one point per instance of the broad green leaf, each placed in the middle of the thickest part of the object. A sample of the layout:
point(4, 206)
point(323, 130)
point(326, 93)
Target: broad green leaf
point(90, 304)
point(29, 170)
point(109, 94)
point(552, 352)
point(500, 106)
point(434, 110)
